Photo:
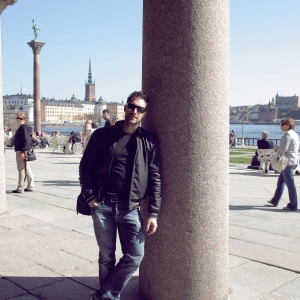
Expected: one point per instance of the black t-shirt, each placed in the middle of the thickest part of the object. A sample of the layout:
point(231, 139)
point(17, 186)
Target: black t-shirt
point(119, 180)
point(108, 123)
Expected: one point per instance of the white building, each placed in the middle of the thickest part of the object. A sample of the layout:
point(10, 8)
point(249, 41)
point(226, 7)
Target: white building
point(17, 100)
point(61, 111)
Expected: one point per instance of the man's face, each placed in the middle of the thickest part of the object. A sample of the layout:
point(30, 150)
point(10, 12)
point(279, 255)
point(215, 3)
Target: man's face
point(133, 114)
point(105, 116)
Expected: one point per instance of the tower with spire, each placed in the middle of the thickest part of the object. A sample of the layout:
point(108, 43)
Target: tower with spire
point(90, 94)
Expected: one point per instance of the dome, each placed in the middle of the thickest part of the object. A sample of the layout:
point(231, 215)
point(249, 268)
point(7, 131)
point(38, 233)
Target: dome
point(101, 101)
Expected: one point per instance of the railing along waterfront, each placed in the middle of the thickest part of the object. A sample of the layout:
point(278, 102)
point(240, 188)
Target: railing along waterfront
point(61, 133)
point(247, 141)
point(253, 141)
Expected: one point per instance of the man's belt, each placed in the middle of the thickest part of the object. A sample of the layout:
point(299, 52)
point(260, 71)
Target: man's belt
point(112, 199)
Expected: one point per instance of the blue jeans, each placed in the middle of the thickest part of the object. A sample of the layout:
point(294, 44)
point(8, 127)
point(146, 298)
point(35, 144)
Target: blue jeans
point(286, 177)
point(109, 218)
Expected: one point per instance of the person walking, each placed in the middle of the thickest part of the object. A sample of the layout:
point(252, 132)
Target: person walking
point(119, 167)
point(22, 145)
point(289, 146)
point(106, 117)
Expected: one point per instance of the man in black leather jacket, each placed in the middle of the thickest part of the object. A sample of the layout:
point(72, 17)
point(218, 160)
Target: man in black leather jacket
point(119, 168)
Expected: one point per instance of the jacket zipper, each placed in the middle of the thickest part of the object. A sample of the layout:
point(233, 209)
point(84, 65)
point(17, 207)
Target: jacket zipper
point(113, 154)
point(133, 172)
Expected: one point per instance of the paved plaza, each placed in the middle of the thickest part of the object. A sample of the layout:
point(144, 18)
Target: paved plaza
point(47, 251)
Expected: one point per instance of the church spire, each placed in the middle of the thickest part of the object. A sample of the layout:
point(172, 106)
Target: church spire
point(90, 81)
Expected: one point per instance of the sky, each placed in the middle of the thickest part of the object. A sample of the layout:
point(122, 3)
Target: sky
point(264, 48)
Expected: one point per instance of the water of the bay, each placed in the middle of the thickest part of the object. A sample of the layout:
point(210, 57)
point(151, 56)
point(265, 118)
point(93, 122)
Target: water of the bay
point(255, 130)
point(241, 130)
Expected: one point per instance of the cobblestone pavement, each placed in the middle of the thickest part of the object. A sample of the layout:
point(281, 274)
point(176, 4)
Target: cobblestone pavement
point(49, 252)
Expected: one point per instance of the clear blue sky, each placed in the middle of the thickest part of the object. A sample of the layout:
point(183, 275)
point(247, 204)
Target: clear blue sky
point(264, 53)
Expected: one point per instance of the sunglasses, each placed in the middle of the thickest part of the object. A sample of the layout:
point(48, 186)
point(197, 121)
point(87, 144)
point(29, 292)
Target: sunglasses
point(281, 124)
point(19, 119)
point(139, 109)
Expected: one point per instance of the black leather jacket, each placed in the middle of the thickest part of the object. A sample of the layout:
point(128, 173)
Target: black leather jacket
point(95, 166)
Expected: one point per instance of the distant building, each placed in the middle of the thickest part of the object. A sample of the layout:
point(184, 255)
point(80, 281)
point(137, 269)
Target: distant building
point(289, 102)
point(20, 102)
point(54, 111)
point(267, 113)
point(17, 100)
point(90, 93)
point(116, 109)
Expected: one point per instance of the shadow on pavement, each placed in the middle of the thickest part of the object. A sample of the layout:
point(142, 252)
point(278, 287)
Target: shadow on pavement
point(254, 174)
point(58, 288)
point(66, 163)
point(264, 207)
point(59, 182)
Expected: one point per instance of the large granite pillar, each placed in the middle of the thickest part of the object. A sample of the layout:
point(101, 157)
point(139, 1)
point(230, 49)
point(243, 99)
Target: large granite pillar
point(186, 76)
point(36, 48)
point(3, 5)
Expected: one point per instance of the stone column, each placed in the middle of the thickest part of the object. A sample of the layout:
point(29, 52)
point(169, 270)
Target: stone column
point(36, 48)
point(3, 5)
point(186, 76)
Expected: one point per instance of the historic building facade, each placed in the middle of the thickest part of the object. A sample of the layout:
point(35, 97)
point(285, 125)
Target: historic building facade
point(287, 102)
point(116, 109)
point(54, 111)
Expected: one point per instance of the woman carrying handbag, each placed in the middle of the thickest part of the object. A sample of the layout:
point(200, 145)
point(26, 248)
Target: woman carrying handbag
point(22, 146)
point(289, 147)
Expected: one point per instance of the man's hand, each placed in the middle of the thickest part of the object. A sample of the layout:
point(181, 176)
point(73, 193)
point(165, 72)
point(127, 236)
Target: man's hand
point(276, 149)
point(22, 155)
point(93, 203)
point(151, 226)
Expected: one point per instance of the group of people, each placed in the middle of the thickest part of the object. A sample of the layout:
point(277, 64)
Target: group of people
point(119, 167)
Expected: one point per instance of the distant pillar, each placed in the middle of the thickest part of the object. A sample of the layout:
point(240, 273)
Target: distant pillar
point(3, 5)
point(186, 76)
point(36, 48)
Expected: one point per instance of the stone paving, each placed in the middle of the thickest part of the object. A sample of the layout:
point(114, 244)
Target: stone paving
point(49, 252)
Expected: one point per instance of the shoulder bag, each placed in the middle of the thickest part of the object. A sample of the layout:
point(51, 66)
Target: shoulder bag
point(279, 162)
point(30, 155)
point(82, 206)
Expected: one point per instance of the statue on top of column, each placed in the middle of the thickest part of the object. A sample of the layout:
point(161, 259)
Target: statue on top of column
point(35, 30)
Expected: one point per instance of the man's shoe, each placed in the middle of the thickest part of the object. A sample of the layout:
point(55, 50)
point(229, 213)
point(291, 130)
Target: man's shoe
point(266, 171)
point(287, 208)
point(16, 192)
point(27, 190)
point(270, 202)
point(93, 296)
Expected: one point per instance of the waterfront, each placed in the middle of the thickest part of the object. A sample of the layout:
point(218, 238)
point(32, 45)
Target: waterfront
point(255, 130)
point(250, 130)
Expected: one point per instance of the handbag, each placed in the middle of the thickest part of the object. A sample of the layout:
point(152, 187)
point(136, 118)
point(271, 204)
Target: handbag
point(30, 155)
point(82, 206)
point(279, 162)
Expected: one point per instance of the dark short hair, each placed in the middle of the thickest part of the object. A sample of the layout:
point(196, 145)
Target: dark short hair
point(288, 121)
point(106, 111)
point(136, 94)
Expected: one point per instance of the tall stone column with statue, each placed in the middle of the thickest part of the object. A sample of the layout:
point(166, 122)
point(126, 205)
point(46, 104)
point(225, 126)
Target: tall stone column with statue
point(3, 5)
point(186, 76)
point(36, 47)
